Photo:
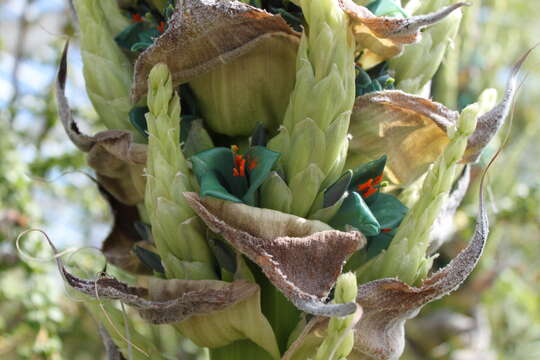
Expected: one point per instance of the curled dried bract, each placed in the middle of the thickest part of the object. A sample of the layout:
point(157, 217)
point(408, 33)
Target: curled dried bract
point(302, 258)
point(118, 162)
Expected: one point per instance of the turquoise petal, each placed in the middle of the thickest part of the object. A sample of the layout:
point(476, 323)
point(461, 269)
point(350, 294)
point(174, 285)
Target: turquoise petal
point(265, 160)
point(386, 8)
point(213, 169)
point(388, 210)
point(356, 213)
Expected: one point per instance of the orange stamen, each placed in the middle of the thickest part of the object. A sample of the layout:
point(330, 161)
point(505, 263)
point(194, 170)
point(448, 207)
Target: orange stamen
point(252, 165)
point(137, 18)
point(386, 230)
point(243, 167)
point(378, 180)
point(161, 27)
point(235, 172)
point(370, 192)
point(234, 148)
point(365, 186)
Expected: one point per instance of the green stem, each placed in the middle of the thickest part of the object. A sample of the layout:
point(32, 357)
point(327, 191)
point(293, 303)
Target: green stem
point(240, 350)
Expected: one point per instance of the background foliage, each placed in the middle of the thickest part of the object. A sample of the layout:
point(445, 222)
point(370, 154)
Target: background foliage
point(496, 314)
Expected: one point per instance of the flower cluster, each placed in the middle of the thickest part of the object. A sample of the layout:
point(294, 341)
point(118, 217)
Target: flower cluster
point(261, 152)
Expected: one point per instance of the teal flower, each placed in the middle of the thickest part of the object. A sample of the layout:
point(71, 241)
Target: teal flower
point(226, 174)
point(375, 214)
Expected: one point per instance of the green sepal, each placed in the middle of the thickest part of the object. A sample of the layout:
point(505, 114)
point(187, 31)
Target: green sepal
point(259, 136)
point(137, 118)
point(335, 191)
point(386, 8)
point(149, 258)
point(197, 139)
point(355, 212)
point(143, 230)
point(224, 255)
point(275, 193)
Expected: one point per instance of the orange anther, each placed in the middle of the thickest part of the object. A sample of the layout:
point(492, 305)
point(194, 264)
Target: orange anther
point(370, 192)
point(252, 165)
point(365, 186)
point(386, 230)
point(137, 18)
point(161, 27)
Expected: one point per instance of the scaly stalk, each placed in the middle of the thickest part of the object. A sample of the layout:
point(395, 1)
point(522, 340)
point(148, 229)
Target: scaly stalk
point(177, 231)
point(339, 340)
point(314, 131)
point(107, 71)
point(406, 256)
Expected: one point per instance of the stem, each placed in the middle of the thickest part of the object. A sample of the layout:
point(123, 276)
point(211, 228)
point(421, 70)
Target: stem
point(240, 350)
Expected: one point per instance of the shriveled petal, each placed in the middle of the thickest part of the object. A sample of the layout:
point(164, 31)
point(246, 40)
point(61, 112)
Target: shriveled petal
point(409, 129)
point(384, 37)
point(203, 34)
point(302, 258)
point(118, 162)
point(388, 303)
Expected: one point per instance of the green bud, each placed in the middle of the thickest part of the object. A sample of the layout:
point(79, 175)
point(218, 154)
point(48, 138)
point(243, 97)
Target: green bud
point(305, 186)
point(419, 62)
point(307, 147)
point(320, 105)
point(275, 194)
point(406, 256)
point(339, 339)
point(179, 237)
point(107, 71)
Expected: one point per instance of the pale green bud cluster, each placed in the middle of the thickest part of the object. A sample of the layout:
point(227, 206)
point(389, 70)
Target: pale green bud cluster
point(107, 71)
point(313, 137)
point(419, 62)
point(177, 231)
point(406, 256)
point(339, 339)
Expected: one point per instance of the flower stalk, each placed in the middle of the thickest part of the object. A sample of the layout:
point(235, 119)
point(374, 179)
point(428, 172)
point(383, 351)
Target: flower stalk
point(178, 233)
point(107, 71)
point(406, 257)
point(339, 339)
point(320, 106)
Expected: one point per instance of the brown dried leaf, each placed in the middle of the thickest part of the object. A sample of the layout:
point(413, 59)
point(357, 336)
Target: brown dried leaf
point(384, 37)
point(167, 301)
point(388, 303)
point(203, 34)
point(302, 258)
point(190, 304)
point(410, 129)
point(118, 162)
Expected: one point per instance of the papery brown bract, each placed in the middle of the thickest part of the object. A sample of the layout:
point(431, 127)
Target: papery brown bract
point(302, 258)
